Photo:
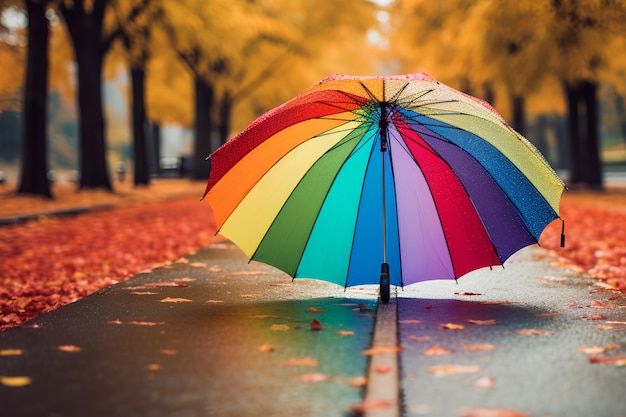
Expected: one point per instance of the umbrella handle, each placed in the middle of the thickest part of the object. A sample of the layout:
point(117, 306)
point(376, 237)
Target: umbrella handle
point(384, 283)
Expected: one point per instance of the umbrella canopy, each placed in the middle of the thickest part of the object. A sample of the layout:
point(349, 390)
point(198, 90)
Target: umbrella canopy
point(361, 171)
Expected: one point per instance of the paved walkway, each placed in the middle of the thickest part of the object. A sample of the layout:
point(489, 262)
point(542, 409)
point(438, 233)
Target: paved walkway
point(218, 336)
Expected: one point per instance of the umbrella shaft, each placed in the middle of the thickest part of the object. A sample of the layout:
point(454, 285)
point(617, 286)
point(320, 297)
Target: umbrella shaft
point(383, 149)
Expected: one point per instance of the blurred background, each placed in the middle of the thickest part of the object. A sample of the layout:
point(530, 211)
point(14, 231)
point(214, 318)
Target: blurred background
point(99, 91)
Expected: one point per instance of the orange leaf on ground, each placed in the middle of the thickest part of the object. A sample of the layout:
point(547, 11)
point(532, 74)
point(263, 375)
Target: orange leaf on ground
point(314, 378)
point(484, 382)
point(419, 338)
point(316, 325)
point(169, 352)
point(11, 352)
point(345, 333)
point(137, 323)
point(280, 327)
point(315, 310)
point(453, 369)
point(594, 317)
point(490, 412)
point(301, 362)
point(615, 360)
point(534, 332)
point(452, 326)
point(266, 348)
point(547, 314)
point(382, 349)
point(436, 351)
point(600, 304)
point(366, 406)
point(485, 346)
point(357, 381)
point(483, 322)
point(15, 381)
point(69, 348)
point(382, 369)
point(175, 300)
point(594, 350)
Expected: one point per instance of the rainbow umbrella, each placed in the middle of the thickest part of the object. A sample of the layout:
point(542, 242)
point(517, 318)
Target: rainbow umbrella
point(399, 174)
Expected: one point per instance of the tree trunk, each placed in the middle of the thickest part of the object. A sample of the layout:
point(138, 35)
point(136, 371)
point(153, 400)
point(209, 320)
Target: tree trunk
point(575, 149)
point(593, 163)
point(94, 170)
point(203, 106)
point(519, 114)
point(140, 151)
point(34, 173)
point(226, 108)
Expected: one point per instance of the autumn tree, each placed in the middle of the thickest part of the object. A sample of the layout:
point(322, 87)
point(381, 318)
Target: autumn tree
point(91, 39)
point(135, 36)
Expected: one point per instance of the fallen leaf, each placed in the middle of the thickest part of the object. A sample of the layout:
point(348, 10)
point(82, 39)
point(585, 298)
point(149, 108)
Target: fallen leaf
point(600, 304)
point(382, 369)
point(345, 333)
point(213, 301)
point(594, 350)
point(137, 323)
point(616, 322)
point(484, 382)
point(615, 360)
point(315, 325)
point(279, 327)
point(382, 349)
point(452, 326)
point(184, 279)
point(365, 406)
point(314, 378)
point(409, 321)
point(467, 293)
point(547, 314)
point(248, 295)
point(143, 293)
point(153, 367)
point(534, 332)
point(11, 352)
point(485, 346)
point(266, 348)
point(594, 317)
point(357, 381)
point(175, 300)
point(69, 348)
point(490, 412)
point(315, 310)
point(198, 265)
point(574, 305)
point(604, 327)
point(436, 351)
point(419, 338)
point(163, 284)
point(301, 362)
point(15, 381)
point(182, 261)
point(169, 352)
point(483, 322)
point(453, 369)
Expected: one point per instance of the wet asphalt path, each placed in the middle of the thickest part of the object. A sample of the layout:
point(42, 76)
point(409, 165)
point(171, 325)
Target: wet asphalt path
point(538, 375)
point(217, 336)
point(214, 336)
